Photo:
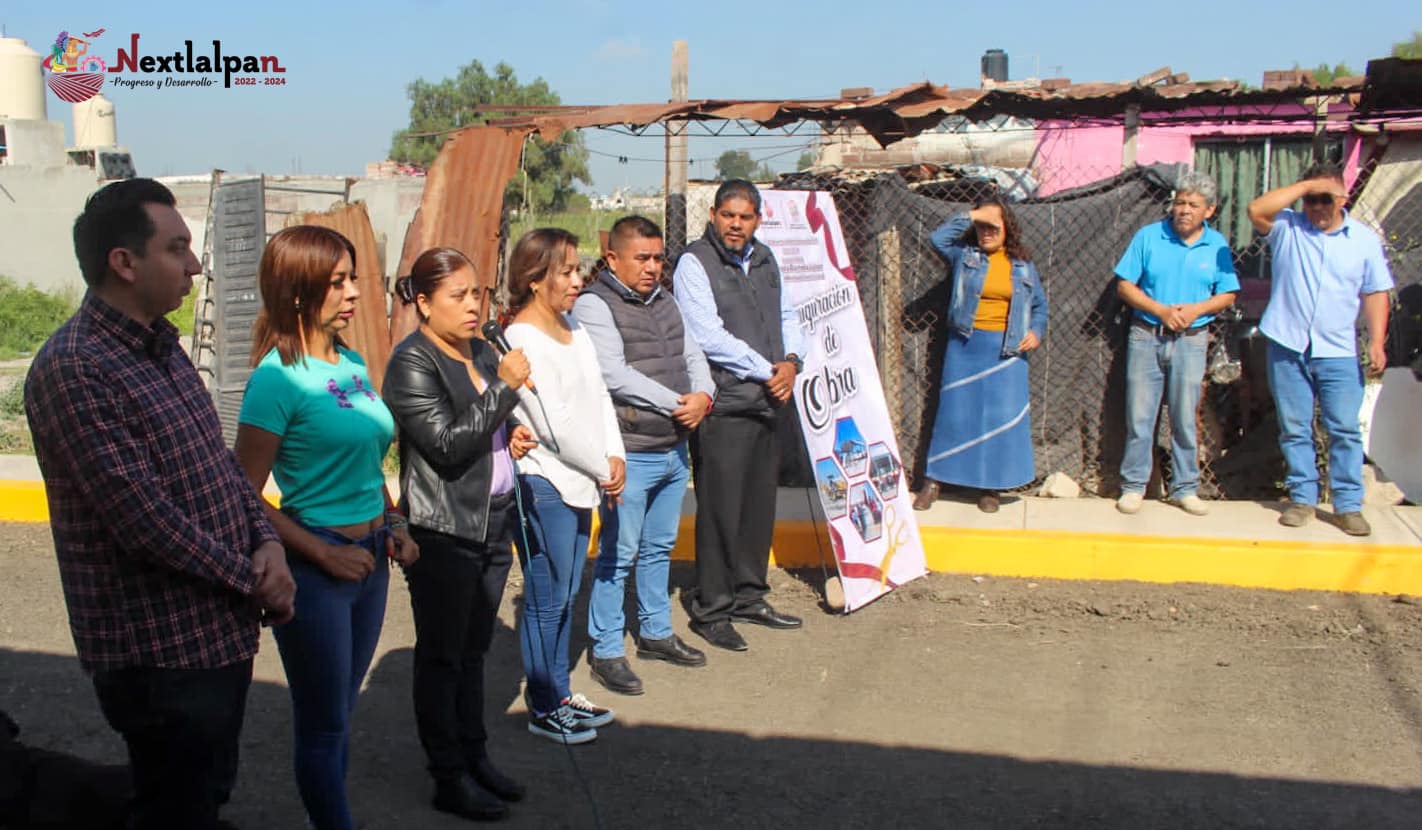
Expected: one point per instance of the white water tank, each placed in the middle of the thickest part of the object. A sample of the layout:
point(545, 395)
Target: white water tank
point(21, 81)
point(94, 123)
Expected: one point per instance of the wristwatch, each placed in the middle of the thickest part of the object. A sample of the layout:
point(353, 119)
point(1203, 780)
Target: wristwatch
point(796, 362)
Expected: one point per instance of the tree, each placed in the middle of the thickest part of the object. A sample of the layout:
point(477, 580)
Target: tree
point(1326, 76)
point(436, 109)
point(735, 164)
point(1411, 49)
point(807, 160)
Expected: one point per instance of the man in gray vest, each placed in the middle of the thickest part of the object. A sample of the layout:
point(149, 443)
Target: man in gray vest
point(729, 288)
point(661, 389)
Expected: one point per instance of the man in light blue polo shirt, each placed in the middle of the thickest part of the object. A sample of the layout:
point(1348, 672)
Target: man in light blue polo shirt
point(1323, 261)
point(1177, 274)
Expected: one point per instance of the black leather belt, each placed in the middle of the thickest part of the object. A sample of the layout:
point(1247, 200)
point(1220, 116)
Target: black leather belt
point(1162, 330)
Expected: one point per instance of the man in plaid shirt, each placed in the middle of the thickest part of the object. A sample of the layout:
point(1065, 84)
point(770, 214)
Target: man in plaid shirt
point(167, 561)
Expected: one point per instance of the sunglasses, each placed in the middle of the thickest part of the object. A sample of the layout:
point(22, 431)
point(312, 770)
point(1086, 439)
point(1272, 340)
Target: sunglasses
point(1318, 199)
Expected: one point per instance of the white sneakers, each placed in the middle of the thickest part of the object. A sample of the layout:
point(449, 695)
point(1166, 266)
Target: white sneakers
point(1130, 502)
point(1192, 504)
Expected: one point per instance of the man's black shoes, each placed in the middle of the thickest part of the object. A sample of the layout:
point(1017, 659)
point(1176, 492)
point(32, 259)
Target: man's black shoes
point(672, 650)
point(490, 778)
point(764, 615)
point(720, 634)
point(466, 799)
point(615, 675)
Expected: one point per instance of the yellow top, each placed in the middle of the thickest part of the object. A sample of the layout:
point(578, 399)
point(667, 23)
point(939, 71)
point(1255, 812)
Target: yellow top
point(997, 293)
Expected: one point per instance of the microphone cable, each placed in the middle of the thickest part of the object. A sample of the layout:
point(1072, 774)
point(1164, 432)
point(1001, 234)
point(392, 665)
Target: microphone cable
point(524, 553)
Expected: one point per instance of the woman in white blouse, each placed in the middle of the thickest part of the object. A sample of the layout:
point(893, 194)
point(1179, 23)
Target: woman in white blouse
point(578, 460)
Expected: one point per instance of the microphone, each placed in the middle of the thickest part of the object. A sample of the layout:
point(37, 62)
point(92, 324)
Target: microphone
point(494, 333)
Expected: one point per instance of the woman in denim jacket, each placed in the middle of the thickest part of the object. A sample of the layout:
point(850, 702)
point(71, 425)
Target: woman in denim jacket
point(982, 436)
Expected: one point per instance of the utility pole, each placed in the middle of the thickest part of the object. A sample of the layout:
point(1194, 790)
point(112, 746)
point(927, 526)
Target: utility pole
point(674, 183)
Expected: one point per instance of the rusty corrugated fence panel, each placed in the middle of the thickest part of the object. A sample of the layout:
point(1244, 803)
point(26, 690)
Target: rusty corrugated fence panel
point(462, 206)
point(369, 332)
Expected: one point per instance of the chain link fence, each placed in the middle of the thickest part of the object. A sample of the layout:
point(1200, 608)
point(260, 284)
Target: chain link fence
point(1076, 237)
point(1077, 222)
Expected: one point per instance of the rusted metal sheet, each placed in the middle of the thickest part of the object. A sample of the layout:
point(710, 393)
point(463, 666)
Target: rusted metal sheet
point(461, 208)
point(908, 110)
point(369, 332)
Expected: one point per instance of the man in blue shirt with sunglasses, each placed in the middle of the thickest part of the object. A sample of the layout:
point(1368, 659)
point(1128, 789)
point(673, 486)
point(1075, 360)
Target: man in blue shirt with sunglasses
point(1324, 266)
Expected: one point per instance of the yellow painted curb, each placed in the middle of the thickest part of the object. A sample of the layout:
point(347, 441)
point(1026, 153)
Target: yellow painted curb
point(23, 501)
point(1285, 566)
point(1051, 554)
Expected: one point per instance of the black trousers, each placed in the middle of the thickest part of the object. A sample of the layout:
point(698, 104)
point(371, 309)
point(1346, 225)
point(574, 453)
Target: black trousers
point(181, 727)
point(455, 589)
point(735, 463)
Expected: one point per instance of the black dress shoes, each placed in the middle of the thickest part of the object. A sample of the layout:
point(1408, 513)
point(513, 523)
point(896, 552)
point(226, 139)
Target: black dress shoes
point(764, 615)
point(489, 777)
point(672, 650)
point(615, 675)
point(720, 634)
point(466, 799)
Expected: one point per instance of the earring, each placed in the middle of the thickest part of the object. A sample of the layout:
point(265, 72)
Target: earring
point(298, 303)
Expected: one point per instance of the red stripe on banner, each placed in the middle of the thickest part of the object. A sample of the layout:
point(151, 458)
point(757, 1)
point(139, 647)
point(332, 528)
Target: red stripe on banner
point(861, 570)
point(816, 218)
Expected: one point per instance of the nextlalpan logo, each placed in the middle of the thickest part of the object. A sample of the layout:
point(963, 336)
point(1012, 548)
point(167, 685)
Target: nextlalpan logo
point(74, 74)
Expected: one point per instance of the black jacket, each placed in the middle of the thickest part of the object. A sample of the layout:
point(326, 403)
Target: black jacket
point(446, 434)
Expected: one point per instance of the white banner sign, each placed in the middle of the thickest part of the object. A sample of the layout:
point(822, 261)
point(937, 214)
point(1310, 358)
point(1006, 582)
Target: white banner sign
point(857, 466)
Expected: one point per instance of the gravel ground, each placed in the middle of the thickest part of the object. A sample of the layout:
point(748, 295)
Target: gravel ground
point(954, 702)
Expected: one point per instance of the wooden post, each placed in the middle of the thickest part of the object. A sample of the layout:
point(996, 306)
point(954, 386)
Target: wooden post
point(675, 178)
point(891, 331)
point(1320, 124)
point(1128, 142)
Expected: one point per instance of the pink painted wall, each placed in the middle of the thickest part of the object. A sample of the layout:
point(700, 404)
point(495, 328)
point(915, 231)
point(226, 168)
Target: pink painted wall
point(1068, 156)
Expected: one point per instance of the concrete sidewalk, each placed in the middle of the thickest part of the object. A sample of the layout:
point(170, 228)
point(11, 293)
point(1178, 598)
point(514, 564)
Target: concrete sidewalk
point(1239, 543)
point(1258, 521)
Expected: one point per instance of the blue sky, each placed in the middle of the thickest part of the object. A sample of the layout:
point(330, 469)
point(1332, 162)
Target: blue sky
point(348, 63)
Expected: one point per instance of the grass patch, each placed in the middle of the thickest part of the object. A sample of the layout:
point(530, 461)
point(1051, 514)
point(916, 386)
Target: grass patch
point(14, 430)
point(182, 317)
point(582, 224)
point(28, 316)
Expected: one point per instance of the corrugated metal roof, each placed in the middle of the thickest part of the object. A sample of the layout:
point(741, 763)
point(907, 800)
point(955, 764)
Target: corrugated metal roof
point(909, 110)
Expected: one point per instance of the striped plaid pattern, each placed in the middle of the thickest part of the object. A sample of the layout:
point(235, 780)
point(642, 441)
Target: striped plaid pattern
point(154, 523)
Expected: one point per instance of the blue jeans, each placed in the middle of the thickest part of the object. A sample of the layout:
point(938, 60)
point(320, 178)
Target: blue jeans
point(326, 649)
point(1173, 364)
point(1297, 379)
point(642, 529)
point(557, 549)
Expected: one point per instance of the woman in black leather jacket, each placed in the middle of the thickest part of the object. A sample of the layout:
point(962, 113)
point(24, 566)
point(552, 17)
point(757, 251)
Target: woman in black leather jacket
point(451, 396)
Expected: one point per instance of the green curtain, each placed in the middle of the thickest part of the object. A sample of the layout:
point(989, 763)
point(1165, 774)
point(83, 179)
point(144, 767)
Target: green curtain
point(1238, 169)
point(1288, 159)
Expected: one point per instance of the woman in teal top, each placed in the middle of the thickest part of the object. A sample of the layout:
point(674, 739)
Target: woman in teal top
point(312, 420)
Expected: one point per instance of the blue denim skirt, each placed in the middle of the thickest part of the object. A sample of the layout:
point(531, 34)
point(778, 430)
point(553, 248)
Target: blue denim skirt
point(982, 435)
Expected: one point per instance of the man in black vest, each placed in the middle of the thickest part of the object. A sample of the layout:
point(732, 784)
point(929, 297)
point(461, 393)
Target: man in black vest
point(729, 288)
point(661, 388)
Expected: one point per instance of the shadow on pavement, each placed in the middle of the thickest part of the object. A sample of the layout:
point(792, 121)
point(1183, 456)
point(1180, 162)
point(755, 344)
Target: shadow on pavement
point(673, 776)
